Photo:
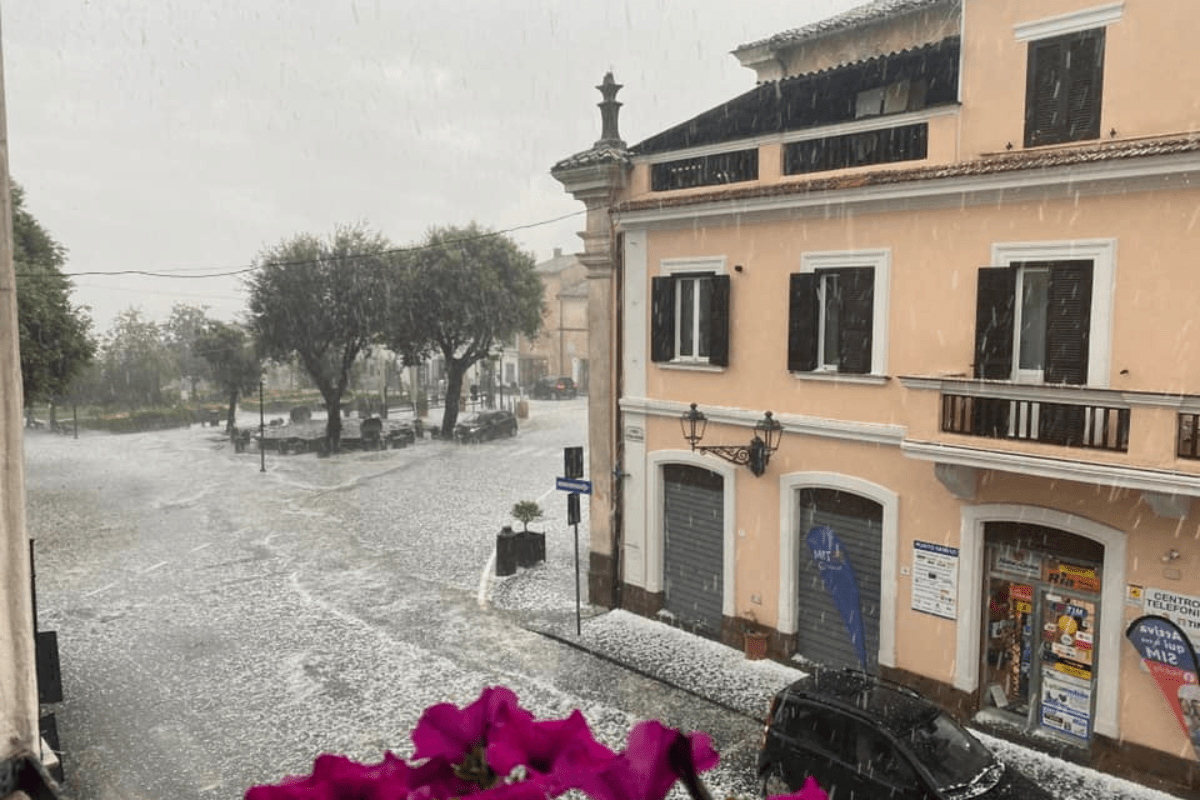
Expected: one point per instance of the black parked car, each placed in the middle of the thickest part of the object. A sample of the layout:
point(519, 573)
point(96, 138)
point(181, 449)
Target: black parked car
point(485, 425)
point(561, 387)
point(863, 737)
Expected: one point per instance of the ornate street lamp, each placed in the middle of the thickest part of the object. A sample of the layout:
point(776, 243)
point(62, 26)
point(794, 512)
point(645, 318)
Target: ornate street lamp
point(756, 455)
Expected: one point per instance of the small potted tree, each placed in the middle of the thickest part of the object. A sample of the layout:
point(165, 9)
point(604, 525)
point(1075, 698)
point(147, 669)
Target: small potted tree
point(531, 545)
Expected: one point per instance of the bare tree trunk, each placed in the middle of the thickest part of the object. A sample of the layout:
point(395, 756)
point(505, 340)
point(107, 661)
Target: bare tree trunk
point(454, 384)
point(231, 417)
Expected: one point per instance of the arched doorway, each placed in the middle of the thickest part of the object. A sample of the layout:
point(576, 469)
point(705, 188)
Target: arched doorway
point(1040, 642)
point(694, 547)
point(838, 618)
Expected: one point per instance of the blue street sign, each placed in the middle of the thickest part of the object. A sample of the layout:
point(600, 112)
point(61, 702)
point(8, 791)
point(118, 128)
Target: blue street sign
point(573, 485)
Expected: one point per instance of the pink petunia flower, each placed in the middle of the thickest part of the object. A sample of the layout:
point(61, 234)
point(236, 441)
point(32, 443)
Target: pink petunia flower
point(656, 756)
point(448, 732)
point(811, 790)
point(554, 753)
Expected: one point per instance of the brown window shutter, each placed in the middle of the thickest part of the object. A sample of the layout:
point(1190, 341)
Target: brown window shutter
point(718, 321)
point(994, 298)
point(662, 319)
point(802, 322)
point(858, 312)
point(1068, 322)
point(1083, 98)
point(1043, 92)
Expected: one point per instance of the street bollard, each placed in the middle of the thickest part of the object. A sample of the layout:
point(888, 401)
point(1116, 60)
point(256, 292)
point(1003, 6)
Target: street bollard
point(506, 552)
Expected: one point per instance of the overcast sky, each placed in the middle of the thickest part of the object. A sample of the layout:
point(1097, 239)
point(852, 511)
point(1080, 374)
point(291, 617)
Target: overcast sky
point(184, 136)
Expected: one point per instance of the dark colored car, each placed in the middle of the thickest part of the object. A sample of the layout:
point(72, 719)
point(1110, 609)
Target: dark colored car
point(560, 387)
point(863, 737)
point(486, 425)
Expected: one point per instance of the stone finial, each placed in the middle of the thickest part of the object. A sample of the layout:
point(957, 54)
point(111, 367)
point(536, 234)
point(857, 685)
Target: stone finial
point(609, 109)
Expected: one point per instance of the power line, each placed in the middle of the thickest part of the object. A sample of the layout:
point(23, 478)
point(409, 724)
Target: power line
point(244, 270)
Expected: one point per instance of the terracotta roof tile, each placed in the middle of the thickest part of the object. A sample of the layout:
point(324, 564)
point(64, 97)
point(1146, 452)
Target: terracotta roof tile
point(991, 164)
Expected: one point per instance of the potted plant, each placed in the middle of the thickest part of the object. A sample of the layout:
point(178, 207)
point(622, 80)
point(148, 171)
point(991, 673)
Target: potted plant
point(531, 545)
point(755, 638)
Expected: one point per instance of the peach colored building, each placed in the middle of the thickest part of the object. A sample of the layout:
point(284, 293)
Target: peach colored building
point(561, 347)
point(950, 244)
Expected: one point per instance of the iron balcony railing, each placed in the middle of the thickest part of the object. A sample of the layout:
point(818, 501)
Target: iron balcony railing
point(1070, 424)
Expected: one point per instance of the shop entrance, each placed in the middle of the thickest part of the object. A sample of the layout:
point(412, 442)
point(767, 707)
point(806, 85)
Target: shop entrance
point(1041, 622)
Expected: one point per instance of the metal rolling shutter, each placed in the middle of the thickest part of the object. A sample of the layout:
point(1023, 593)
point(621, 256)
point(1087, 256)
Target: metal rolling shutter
point(693, 548)
point(821, 634)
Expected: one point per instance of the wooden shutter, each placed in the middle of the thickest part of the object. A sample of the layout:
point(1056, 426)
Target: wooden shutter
point(1068, 322)
point(662, 319)
point(718, 321)
point(1042, 91)
point(1063, 87)
point(994, 298)
point(858, 311)
point(802, 322)
point(1086, 82)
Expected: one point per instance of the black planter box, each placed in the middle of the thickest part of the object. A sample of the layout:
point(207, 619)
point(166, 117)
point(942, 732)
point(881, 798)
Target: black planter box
point(531, 548)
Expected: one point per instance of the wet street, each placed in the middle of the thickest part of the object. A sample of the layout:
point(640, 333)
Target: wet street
point(220, 626)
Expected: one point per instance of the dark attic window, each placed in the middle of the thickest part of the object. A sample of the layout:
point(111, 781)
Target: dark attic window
point(883, 146)
point(714, 170)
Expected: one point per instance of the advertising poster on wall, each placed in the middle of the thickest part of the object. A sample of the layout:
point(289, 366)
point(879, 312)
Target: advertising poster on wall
point(1066, 704)
point(1182, 609)
point(935, 579)
point(1168, 655)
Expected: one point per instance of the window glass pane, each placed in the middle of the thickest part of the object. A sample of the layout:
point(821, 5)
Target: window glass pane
point(831, 320)
point(686, 316)
point(1034, 301)
point(702, 322)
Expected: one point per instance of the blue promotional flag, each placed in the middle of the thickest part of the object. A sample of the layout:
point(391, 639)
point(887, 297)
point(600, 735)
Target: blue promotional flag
point(840, 581)
point(1168, 655)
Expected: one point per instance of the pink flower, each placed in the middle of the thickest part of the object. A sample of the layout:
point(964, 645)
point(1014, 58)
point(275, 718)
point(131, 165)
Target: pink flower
point(449, 732)
point(811, 790)
point(655, 757)
point(339, 778)
point(554, 753)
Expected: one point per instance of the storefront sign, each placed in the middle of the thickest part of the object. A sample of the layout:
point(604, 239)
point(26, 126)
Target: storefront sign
point(1073, 576)
point(1168, 655)
point(840, 581)
point(1182, 609)
point(1066, 704)
point(1021, 563)
point(935, 579)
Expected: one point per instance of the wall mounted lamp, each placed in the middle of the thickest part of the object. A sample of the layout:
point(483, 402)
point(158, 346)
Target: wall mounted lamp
point(756, 455)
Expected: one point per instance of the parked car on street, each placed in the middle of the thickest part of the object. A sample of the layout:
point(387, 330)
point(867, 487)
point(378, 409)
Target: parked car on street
point(485, 425)
point(862, 736)
point(560, 387)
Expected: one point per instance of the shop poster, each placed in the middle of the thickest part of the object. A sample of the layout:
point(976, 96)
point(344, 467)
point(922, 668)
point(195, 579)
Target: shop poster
point(1168, 655)
point(1066, 704)
point(935, 579)
point(842, 584)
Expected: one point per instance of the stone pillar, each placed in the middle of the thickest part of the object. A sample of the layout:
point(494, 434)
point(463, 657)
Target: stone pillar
point(19, 735)
point(595, 177)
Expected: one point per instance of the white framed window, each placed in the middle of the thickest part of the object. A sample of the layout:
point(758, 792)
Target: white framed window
point(837, 315)
point(689, 313)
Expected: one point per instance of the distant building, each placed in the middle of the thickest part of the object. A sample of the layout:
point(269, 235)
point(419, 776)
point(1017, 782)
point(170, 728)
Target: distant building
point(561, 348)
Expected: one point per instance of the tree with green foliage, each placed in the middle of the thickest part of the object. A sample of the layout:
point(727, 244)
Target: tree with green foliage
point(322, 301)
point(463, 292)
point(135, 362)
point(55, 336)
point(180, 333)
point(234, 365)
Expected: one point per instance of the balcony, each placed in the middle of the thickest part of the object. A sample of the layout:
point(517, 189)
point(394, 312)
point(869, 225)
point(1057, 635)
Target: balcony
point(1142, 440)
point(1006, 414)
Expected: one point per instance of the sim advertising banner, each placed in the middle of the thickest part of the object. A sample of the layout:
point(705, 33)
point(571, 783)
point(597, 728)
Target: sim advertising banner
point(1168, 655)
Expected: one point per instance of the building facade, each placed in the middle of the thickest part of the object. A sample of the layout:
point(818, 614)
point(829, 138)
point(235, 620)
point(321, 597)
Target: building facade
point(948, 244)
point(561, 347)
